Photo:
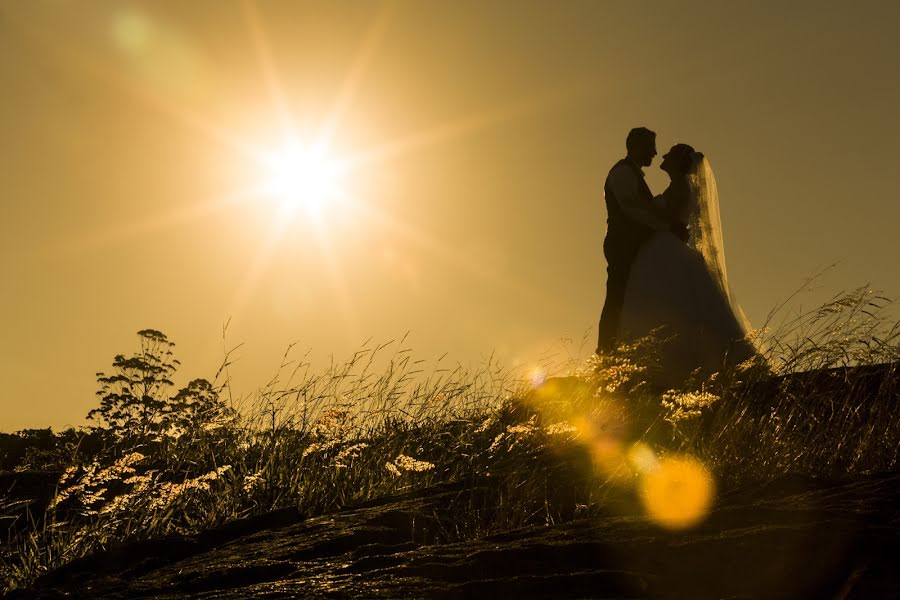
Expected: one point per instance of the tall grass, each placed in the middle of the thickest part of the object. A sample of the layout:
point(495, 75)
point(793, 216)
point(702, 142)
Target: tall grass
point(379, 424)
point(825, 405)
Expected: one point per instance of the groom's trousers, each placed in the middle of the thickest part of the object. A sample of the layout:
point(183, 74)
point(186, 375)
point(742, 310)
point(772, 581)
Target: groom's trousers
point(619, 257)
point(616, 280)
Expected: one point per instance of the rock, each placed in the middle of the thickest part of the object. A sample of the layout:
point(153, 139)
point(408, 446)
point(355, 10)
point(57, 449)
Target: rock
point(788, 538)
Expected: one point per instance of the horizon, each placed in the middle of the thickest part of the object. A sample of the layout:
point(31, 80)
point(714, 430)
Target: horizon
point(475, 141)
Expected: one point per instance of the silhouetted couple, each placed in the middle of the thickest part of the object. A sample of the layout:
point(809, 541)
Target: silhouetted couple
point(666, 266)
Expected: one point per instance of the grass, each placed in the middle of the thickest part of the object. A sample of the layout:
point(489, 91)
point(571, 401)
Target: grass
point(378, 425)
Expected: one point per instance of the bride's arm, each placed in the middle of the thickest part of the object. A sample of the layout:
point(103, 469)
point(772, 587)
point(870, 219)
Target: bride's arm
point(668, 206)
point(671, 204)
point(664, 206)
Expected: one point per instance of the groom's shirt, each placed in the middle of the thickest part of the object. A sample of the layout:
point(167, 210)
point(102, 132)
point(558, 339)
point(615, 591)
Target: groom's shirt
point(627, 184)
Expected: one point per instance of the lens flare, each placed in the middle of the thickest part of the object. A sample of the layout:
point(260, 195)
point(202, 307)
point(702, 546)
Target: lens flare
point(642, 458)
point(678, 492)
point(131, 30)
point(604, 431)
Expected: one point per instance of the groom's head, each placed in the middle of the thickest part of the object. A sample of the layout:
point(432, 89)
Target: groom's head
point(641, 146)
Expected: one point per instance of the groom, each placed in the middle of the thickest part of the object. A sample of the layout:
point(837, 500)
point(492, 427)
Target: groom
point(630, 222)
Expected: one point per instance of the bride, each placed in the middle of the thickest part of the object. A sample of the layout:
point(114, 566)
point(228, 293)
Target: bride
point(678, 286)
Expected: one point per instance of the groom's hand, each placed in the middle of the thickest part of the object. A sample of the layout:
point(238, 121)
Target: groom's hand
point(680, 231)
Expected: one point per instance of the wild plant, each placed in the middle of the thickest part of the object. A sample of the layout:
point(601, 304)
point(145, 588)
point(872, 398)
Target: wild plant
point(525, 450)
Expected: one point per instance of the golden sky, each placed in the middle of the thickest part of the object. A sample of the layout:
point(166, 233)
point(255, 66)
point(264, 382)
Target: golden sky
point(479, 135)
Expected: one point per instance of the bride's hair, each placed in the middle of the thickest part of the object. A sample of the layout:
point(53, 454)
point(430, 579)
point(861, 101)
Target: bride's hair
point(683, 156)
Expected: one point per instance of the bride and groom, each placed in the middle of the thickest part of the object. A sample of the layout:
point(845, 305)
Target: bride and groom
point(666, 267)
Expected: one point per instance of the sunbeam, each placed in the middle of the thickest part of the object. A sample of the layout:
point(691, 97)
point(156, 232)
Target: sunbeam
point(462, 126)
point(260, 265)
point(447, 253)
point(371, 41)
point(83, 62)
point(129, 231)
point(266, 62)
point(338, 283)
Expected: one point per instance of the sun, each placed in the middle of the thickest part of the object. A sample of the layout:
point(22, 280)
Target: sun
point(299, 176)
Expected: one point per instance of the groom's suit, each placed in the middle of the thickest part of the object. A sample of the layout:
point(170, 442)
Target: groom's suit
point(630, 222)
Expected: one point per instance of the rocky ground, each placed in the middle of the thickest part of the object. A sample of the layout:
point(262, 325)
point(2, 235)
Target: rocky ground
point(791, 538)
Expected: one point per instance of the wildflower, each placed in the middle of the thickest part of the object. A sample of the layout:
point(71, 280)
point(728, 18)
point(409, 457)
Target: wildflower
point(393, 469)
point(68, 474)
point(517, 434)
point(497, 441)
point(523, 429)
point(617, 375)
point(492, 418)
point(334, 423)
point(747, 364)
point(61, 496)
point(351, 452)
point(94, 476)
point(213, 475)
point(685, 405)
point(91, 497)
point(561, 428)
point(408, 463)
point(168, 492)
point(310, 449)
point(317, 447)
point(117, 504)
point(165, 495)
point(252, 482)
point(140, 483)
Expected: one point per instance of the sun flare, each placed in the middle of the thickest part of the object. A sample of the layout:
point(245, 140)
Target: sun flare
point(299, 176)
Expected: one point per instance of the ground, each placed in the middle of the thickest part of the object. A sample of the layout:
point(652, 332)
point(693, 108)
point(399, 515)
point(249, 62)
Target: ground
point(788, 538)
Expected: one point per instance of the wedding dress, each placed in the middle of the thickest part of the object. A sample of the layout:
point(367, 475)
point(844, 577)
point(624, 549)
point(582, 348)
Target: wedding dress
point(681, 289)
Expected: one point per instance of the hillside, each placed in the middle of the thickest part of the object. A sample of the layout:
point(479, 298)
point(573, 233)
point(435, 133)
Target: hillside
point(790, 538)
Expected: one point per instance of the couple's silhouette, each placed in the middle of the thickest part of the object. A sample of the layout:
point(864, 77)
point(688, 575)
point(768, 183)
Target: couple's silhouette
point(666, 267)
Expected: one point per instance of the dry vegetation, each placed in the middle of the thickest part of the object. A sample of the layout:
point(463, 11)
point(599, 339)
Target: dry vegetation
point(378, 425)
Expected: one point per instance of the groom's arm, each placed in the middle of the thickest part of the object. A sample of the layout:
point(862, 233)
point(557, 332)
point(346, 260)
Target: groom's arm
point(625, 187)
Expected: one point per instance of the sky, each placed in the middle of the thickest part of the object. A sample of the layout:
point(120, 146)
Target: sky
point(475, 138)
